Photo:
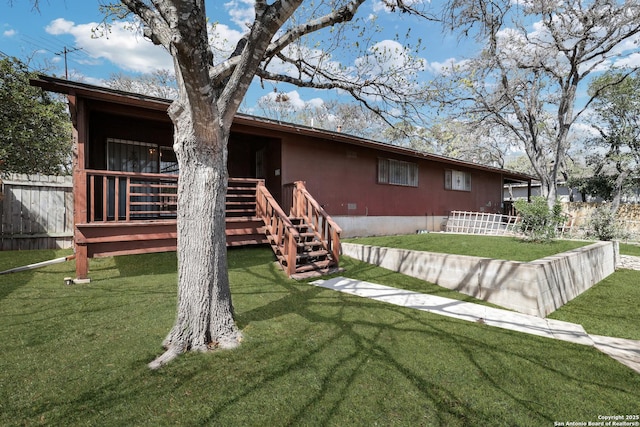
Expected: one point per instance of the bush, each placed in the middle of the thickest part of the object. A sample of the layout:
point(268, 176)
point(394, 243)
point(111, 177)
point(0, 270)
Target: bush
point(538, 222)
point(603, 225)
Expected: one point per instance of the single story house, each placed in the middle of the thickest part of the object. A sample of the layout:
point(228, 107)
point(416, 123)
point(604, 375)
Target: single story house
point(125, 175)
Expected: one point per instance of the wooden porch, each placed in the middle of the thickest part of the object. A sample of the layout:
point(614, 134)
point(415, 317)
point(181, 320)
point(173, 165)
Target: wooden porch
point(132, 213)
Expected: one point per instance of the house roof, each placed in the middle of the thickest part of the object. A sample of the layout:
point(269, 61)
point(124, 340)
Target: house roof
point(89, 91)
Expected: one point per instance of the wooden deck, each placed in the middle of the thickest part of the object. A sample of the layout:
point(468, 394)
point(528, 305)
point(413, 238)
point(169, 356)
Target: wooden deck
point(136, 213)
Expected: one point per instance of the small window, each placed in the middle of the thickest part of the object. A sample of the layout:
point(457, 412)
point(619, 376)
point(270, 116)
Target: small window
point(397, 173)
point(457, 180)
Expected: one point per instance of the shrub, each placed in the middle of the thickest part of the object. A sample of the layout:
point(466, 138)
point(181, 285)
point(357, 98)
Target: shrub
point(603, 225)
point(538, 222)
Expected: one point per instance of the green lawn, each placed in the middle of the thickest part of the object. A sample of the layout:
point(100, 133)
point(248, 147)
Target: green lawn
point(609, 308)
point(77, 355)
point(497, 247)
point(628, 249)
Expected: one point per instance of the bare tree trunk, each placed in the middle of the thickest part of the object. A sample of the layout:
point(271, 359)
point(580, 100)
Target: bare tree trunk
point(617, 190)
point(205, 312)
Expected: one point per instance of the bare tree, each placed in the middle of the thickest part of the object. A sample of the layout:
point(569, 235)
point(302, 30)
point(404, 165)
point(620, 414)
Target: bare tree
point(160, 83)
point(346, 117)
point(209, 95)
point(615, 151)
point(482, 143)
point(526, 79)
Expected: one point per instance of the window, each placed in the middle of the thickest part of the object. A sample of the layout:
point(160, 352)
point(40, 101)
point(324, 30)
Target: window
point(143, 157)
point(397, 173)
point(457, 180)
point(132, 156)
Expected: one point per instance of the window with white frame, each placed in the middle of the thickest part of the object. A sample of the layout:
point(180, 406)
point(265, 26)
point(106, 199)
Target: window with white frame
point(397, 172)
point(457, 180)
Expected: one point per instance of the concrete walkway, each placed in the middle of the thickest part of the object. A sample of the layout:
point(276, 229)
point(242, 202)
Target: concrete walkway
point(625, 351)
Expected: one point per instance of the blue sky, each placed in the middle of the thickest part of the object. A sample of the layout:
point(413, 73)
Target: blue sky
point(43, 37)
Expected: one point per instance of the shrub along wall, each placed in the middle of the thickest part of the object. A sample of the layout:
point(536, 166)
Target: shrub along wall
point(628, 215)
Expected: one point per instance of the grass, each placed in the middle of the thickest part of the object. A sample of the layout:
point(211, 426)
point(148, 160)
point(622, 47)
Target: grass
point(609, 308)
point(497, 247)
point(76, 355)
point(627, 249)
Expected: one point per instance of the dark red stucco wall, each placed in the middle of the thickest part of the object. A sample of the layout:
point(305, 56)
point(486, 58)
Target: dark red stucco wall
point(343, 178)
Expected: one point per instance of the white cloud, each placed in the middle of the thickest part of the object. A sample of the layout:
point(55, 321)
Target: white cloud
point(123, 46)
point(630, 61)
point(294, 100)
point(538, 46)
point(223, 40)
point(59, 26)
point(582, 131)
point(242, 12)
point(315, 102)
point(389, 56)
point(9, 33)
point(446, 66)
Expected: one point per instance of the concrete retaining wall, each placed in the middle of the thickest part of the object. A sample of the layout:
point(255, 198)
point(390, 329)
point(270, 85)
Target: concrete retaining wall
point(363, 226)
point(536, 288)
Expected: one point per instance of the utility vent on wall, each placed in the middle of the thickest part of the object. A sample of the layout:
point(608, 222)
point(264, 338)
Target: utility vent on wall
point(352, 154)
point(352, 206)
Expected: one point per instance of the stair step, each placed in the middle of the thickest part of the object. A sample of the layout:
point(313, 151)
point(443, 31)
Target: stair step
point(239, 211)
point(314, 266)
point(313, 254)
point(249, 218)
point(241, 195)
point(257, 239)
point(309, 244)
point(316, 273)
point(235, 202)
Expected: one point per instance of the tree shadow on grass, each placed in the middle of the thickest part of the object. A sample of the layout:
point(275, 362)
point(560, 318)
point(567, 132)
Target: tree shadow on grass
point(527, 351)
point(146, 264)
point(13, 259)
point(167, 262)
point(313, 356)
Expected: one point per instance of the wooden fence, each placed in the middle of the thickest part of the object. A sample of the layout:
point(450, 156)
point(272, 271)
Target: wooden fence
point(36, 212)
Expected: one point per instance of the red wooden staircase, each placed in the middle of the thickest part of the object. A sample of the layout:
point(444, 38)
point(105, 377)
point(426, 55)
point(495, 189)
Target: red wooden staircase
point(244, 225)
point(307, 241)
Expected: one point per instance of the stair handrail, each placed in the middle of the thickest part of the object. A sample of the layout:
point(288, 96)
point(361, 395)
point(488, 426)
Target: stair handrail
point(304, 205)
point(280, 226)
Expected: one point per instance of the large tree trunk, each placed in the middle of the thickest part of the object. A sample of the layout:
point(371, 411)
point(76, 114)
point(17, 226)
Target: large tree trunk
point(617, 190)
point(205, 313)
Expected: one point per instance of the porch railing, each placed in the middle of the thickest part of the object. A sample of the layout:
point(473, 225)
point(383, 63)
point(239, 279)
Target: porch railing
point(125, 196)
point(280, 227)
point(305, 206)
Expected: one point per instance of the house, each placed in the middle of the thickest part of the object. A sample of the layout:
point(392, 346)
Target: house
point(283, 177)
point(516, 191)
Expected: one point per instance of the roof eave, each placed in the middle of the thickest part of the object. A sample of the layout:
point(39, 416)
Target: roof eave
point(72, 88)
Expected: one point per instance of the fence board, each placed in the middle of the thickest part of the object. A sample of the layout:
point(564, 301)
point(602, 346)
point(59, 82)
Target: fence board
point(37, 212)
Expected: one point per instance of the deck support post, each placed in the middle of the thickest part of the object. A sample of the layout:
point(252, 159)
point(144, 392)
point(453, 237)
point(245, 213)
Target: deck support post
point(82, 262)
